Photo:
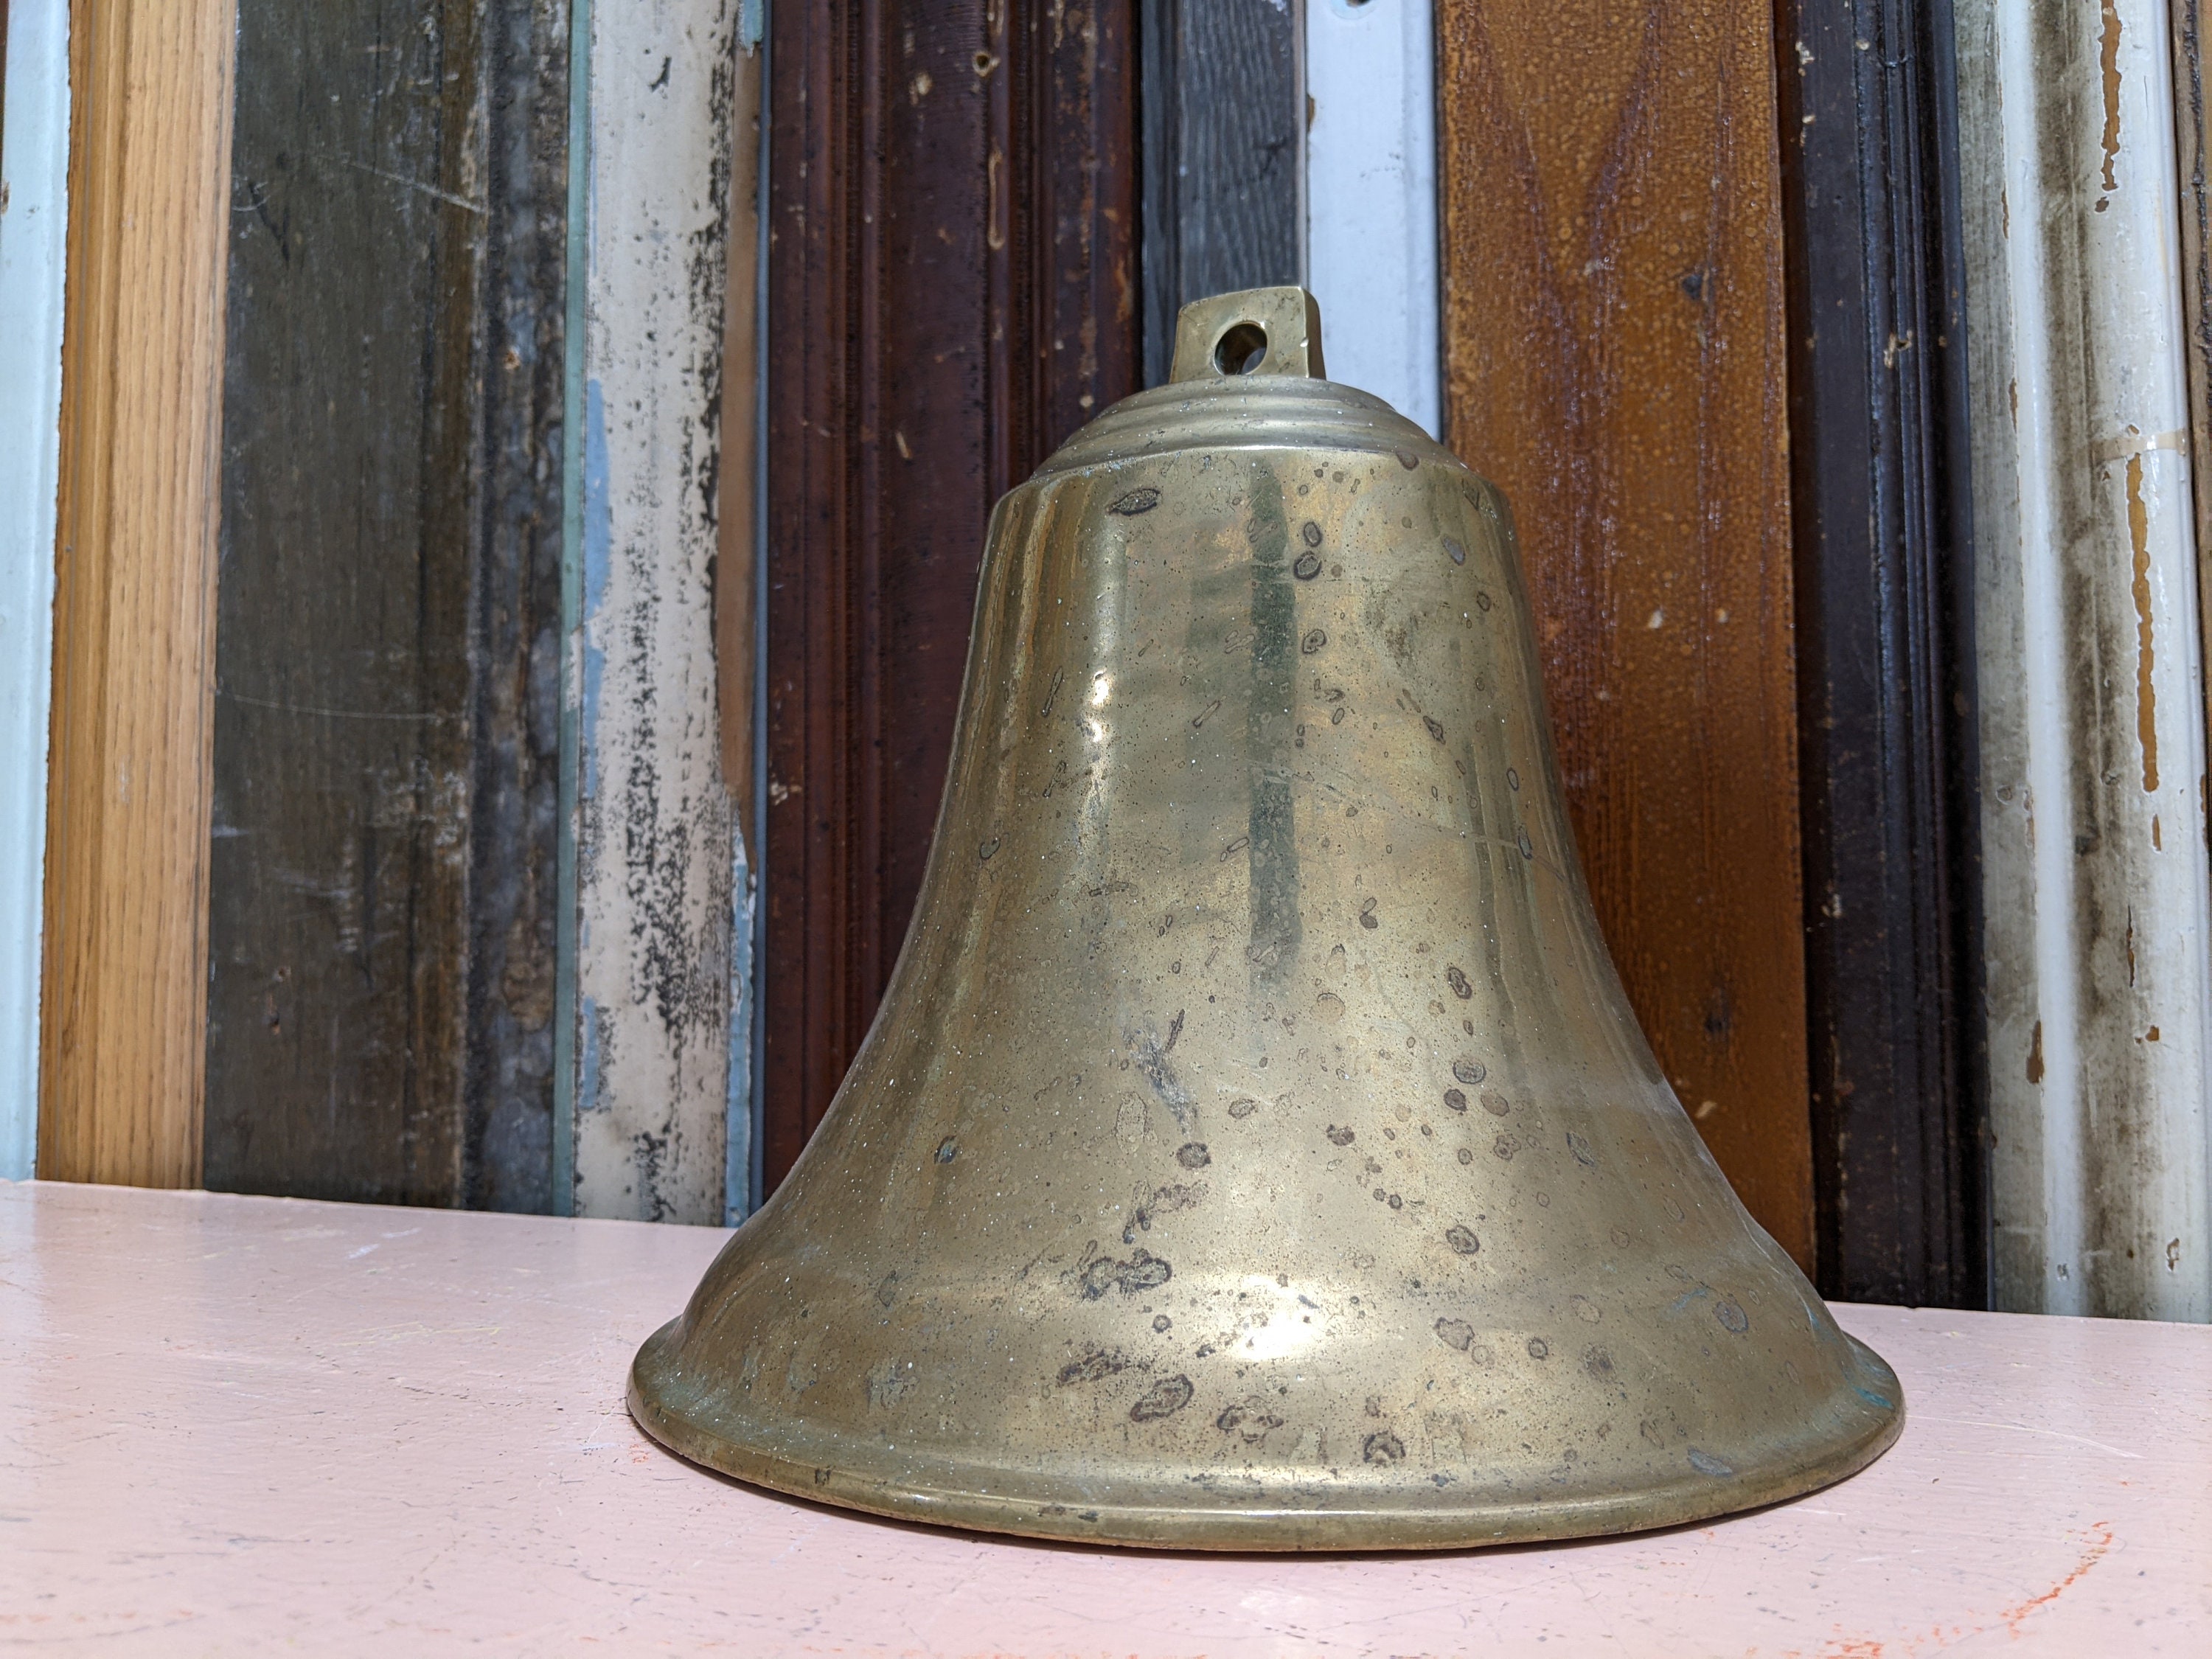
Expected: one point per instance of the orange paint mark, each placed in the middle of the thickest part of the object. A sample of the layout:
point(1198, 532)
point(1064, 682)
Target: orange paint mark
point(2146, 698)
point(2111, 64)
point(2100, 1542)
point(2156, 843)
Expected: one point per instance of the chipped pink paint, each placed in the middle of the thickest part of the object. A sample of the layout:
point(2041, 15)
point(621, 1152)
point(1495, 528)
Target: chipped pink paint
point(242, 1425)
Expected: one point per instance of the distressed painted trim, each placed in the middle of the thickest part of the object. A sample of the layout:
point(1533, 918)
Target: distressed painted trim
point(572, 609)
point(750, 927)
point(33, 261)
point(654, 825)
point(2099, 989)
point(740, 1151)
point(1371, 197)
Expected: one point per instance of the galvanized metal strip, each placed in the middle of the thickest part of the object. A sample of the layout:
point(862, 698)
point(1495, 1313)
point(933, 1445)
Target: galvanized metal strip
point(2098, 986)
point(32, 234)
point(1370, 195)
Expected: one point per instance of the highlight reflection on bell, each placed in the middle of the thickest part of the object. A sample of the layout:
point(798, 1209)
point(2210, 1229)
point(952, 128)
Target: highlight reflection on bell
point(1255, 1149)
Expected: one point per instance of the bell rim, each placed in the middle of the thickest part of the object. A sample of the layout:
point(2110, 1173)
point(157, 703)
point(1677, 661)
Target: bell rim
point(1253, 1528)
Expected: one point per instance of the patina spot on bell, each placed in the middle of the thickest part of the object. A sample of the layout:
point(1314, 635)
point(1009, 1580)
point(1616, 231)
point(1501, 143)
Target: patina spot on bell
point(1255, 1149)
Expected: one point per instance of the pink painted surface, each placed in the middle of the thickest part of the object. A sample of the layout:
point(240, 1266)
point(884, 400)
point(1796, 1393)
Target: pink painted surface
point(235, 1425)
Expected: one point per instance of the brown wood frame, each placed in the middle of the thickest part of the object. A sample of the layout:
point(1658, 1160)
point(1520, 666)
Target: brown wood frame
point(952, 289)
point(1613, 328)
point(125, 970)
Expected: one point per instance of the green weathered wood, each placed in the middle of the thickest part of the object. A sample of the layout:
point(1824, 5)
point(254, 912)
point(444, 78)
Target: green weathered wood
point(380, 916)
point(1221, 113)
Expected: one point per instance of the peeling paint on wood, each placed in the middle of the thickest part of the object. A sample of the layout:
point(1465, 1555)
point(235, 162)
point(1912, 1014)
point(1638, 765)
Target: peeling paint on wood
point(381, 914)
point(655, 827)
point(2099, 990)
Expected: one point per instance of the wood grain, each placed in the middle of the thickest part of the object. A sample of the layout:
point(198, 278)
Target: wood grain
point(383, 904)
point(1221, 105)
point(1614, 361)
point(124, 964)
point(1882, 500)
point(952, 289)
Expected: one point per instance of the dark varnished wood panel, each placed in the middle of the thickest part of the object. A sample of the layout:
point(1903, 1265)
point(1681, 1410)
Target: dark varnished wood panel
point(1881, 492)
point(1221, 112)
point(951, 291)
point(1614, 342)
point(381, 909)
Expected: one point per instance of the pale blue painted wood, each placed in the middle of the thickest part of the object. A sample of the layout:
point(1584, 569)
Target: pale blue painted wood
point(1370, 195)
point(35, 152)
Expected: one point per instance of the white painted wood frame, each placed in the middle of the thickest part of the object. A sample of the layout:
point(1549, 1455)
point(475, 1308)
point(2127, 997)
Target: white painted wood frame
point(1370, 199)
point(33, 226)
point(2088, 661)
point(655, 871)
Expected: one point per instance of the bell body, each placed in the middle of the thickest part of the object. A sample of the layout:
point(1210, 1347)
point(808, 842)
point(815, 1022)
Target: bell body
point(1256, 1148)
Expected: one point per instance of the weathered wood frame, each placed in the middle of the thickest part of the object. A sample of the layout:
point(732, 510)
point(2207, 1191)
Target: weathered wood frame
point(1224, 153)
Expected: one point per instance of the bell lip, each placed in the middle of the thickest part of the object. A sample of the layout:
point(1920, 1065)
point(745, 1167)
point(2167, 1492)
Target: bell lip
point(1251, 1530)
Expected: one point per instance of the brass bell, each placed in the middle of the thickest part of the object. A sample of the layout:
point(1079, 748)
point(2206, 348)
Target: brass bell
point(1255, 1149)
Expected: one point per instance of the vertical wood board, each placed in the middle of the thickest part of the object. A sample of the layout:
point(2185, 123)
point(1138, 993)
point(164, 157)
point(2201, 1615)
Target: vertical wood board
point(1224, 122)
point(1370, 199)
point(951, 290)
point(2091, 713)
point(125, 957)
point(1614, 361)
point(381, 929)
point(35, 129)
point(1881, 503)
point(656, 829)
point(737, 568)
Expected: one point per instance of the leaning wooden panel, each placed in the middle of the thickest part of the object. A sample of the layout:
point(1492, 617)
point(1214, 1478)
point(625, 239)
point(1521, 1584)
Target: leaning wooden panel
point(126, 879)
point(382, 895)
point(951, 291)
point(1613, 357)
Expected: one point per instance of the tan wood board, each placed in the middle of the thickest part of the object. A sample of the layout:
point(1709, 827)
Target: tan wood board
point(1614, 361)
point(125, 960)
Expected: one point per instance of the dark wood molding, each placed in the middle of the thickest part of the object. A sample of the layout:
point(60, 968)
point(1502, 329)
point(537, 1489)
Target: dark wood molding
point(1222, 136)
point(1882, 508)
point(951, 290)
